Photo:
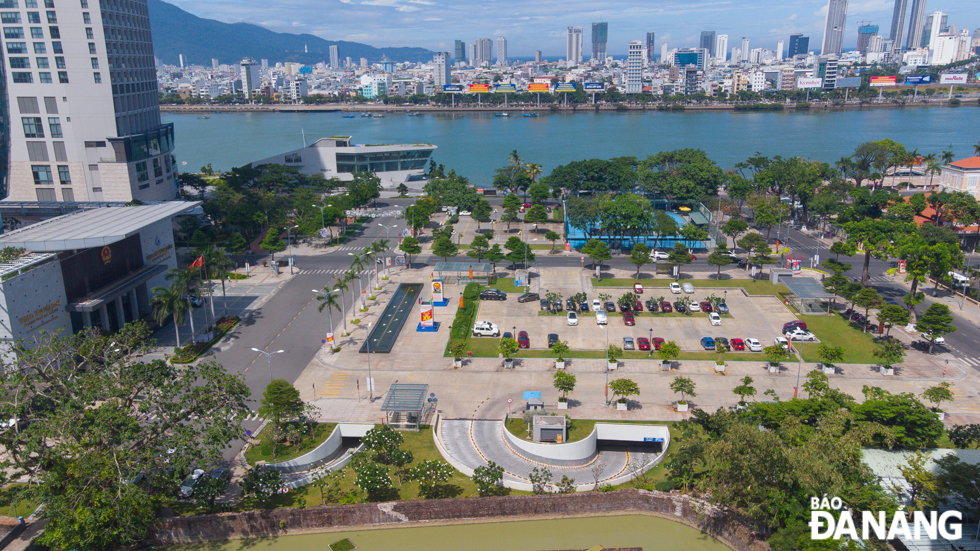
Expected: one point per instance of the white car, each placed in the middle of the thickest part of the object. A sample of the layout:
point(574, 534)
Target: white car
point(940, 341)
point(714, 318)
point(688, 288)
point(600, 318)
point(572, 318)
point(694, 306)
point(187, 486)
point(781, 341)
point(596, 305)
point(675, 288)
point(801, 335)
point(485, 329)
point(658, 255)
point(465, 213)
point(753, 345)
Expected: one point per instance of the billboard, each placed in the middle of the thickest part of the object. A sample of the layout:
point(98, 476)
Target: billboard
point(848, 82)
point(565, 87)
point(593, 87)
point(809, 82)
point(538, 87)
point(883, 81)
point(437, 291)
point(479, 88)
point(452, 87)
point(952, 78)
point(505, 89)
point(915, 80)
point(427, 320)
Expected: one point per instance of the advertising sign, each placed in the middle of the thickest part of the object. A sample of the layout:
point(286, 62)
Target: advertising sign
point(505, 89)
point(330, 340)
point(593, 87)
point(883, 81)
point(952, 78)
point(437, 290)
point(914, 80)
point(565, 87)
point(426, 315)
point(479, 88)
point(452, 88)
point(809, 82)
point(538, 87)
point(848, 82)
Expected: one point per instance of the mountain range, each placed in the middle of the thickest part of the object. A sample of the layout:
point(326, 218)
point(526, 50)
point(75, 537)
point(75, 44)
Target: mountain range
point(176, 32)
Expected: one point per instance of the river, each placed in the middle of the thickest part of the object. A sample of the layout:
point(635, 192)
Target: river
point(476, 143)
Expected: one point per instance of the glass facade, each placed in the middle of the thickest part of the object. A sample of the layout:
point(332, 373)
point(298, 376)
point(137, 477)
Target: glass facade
point(143, 146)
point(383, 161)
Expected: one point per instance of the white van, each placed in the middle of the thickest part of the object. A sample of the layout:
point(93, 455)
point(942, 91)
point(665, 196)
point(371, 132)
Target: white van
point(600, 318)
point(958, 279)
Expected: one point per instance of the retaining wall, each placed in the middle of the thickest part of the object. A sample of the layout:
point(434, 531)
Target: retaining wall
point(278, 522)
point(323, 453)
point(571, 454)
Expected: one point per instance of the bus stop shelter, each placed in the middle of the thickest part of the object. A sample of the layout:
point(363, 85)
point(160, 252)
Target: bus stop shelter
point(406, 405)
point(808, 295)
point(464, 272)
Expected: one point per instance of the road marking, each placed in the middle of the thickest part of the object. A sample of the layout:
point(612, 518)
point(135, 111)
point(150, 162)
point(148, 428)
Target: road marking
point(333, 386)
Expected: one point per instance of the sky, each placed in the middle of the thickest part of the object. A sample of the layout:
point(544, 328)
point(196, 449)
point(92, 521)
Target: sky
point(542, 24)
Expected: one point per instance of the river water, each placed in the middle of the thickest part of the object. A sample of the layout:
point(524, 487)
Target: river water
point(650, 533)
point(476, 143)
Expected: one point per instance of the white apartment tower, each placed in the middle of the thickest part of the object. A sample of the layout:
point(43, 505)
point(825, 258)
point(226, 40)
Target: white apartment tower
point(573, 46)
point(334, 57)
point(833, 33)
point(81, 98)
point(634, 67)
point(721, 49)
point(501, 51)
point(779, 50)
point(745, 49)
point(442, 75)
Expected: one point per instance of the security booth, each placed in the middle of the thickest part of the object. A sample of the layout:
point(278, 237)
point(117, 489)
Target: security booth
point(534, 404)
point(406, 406)
point(550, 428)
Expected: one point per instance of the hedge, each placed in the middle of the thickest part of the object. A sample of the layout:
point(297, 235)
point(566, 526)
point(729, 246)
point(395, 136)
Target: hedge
point(466, 316)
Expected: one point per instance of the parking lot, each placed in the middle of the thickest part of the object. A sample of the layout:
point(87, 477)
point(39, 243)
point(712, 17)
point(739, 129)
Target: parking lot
point(756, 317)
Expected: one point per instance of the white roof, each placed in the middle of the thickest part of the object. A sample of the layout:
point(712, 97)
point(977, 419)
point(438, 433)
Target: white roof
point(86, 229)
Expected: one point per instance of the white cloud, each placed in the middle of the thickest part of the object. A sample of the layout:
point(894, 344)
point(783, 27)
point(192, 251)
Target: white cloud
point(423, 2)
point(407, 8)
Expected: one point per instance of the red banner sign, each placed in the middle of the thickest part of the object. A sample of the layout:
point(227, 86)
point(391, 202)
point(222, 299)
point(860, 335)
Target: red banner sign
point(538, 87)
point(479, 88)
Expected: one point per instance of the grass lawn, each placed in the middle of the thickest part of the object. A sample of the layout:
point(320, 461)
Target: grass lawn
point(12, 505)
point(751, 286)
point(836, 331)
point(263, 451)
point(506, 284)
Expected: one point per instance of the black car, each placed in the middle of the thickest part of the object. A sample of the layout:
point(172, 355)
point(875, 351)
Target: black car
point(570, 305)
point(679, 307)
point(545, 305)
point(623, 307)
point(920, 345)
point(493, 294)
point(552, 339)
point(557, 307)
point(583, 307)
point(507, 335)
point(651, 306)
point(610, 307)
point(724, 342)
point(528, 297)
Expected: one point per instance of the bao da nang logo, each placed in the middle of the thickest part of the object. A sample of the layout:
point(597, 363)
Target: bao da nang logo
point(865, 525)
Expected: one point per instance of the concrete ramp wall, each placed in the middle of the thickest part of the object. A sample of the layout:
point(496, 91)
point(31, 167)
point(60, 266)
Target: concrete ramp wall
point(325, 452)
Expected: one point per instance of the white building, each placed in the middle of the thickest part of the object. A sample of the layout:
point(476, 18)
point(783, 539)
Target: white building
point(296, 89)
point(744, 49)
point(757, 81)
point(501, 51)
point(573, 46)
point(962, 175)
point(779, 50)
point(721, 49)
point(945, 48)
point(82, 108)
point(634, 67)
point(442, 71)
point(334, 57)
point(250, 77)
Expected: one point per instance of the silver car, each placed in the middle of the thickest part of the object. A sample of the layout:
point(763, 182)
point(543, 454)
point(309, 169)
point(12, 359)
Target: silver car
point(187, 486)
point(628, 343)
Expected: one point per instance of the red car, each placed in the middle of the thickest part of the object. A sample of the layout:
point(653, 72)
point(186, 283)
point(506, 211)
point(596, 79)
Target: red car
point(638, 307)
point(658, 342)
point(522, 340)
point(643, 343)
point(527, 205)
point(738, 344)
point(628, 318)
point(705, 306)
point(666, 307)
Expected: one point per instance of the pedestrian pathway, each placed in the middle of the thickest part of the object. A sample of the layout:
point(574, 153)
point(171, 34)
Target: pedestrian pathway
point(334, 385)
point(324, 271)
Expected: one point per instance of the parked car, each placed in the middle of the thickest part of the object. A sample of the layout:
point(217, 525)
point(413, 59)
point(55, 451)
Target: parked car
point(195, 299)
point(624, 307)
point(628, 343)
point(638, 307)
point(801, 336)
point(675, 287)
point(705, 306)
point(610, 306)
point(753, 345)
point(507, 335)
point(745, 264)
point(781, 341)
point(187, 486)
point(628, 318)
point(545, 304)
point(694, 307)
point(688, 288)
point(552, 339)
point(596, 305)
point(485, 329)
point(523, 341)
point(493, 294)
point(722, 308)
point(651, 306)
point(658, 342)
point(569, 305)
point(714, 318)
point(221, 473)
point(679, 306)
point(638, 288)
point(941, 341)
point(666, 307)
point(793, 325)
point(600, 318)
point(724, 342)
point(707, 343)
point(572, 318)
point(921, 345)
point(528, 297)
point(738, 344)
point(890, 338)
point(583, 307)
point(556, 307)
point(465, 213)
point(643, 343)
point(658, 255)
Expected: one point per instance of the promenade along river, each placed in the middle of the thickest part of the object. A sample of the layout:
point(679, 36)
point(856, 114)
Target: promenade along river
point(476, 143)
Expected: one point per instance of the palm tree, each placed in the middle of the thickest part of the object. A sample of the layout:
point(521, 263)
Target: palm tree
point(216, 266)
point(533, 170)
point(328, 301)
point(934, 168)
point(186, 280)
point(976, 149)
point(515, 159)
point(381, 247)
point(356, 267)
point(167, 301)
point(948, 156)
point(342, 286)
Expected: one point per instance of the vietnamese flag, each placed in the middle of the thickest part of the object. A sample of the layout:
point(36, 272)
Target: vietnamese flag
point(197, 263)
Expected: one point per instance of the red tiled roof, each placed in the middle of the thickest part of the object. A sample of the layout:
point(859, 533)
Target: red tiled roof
point(928, 216)
point(970, 162)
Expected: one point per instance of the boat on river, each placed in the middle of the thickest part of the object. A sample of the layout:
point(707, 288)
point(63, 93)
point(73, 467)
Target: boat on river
point(530, 114)
point(501, 114)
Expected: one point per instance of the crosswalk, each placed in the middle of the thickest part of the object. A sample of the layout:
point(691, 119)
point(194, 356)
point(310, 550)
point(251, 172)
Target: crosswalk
point(880, 279)
point(349, 248)
point(324, 271)
point(253, 417)
point(334, 385)
point(972, 362)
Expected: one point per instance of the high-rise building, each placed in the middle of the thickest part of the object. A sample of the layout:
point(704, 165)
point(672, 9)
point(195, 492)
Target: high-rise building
point(865, 32)
point(484, 52)
point(634, 67)
point(917, 21)
point(181, 59)
point(600, 34)
point(250, 77)
point(745, 49)
point(573, 46)
point(651, 47)
point(501, 51)
point(833, 31)
point(663, 53)
point(265, 63)
point(88, 129)
point(935, 24)
point(721, 48)
point(537, 56)
point(214, 64)
point(460, 52)
point(779, 50)
point(442, 73)
point(827, 70)
point(898, 22)
point(708, 42)
point(736, 54)
point(334, 57)
point(798, 45)
point(473, 57)
point(695, 57)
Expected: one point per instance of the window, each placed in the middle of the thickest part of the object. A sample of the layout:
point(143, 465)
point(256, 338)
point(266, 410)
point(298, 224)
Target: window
point(42, 63)
point(20, 63)
point(157, 169)
point(13, 32)
point(33, 17)
point(59, 62)
point(8, 4)
point(49, 4)
point(55, 33)
point(9, 18)
point(64, 176)
point(95, 63)
point(56, 47)
point(44, 76)
point(89, 34)
point(95, 144)
point(60, 153)
point(68, 195)
point(37, 152)
point(141, 173)
point(86, 18)
point(51, 106)
point(42, 175)
point(52, 17)
point(37, 32)
point(28, 106)
point(54, 124)
point(91, 48)
point(40, 48)
point(32, 127)
point(23, 78)
point(16, 47)
point(97, 77)
point(63, 77)
point(30, 3)
point(84, 4)
point(46, 195)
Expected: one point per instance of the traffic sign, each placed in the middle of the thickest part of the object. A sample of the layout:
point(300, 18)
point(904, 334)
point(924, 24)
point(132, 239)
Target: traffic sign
point(510, 400)
point(248, 433)
point(323, 232)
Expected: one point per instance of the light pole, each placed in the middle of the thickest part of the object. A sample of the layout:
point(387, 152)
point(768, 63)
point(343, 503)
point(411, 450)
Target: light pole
point(329, 314)
point(607, 364)
point(290, 244)
point(268, 356)
point(789, 342)
point(370, 381)
point(388, 239)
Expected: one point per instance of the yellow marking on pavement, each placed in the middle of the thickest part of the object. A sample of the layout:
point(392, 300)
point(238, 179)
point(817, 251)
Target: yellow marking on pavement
point(333, 386)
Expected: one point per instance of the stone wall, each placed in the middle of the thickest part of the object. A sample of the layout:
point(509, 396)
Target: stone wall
point(278, 522)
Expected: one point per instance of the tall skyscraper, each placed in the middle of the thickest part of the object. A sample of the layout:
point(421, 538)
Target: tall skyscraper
point(250, 77)
point(88, 130)
point(833, 32)
point(634, 67)
point(334, 57)
point(745, 49)
point(651, 47)
point(600, 34)
point(181, 58)
point(663, 53)
point(935, 24)
point(484, 52)
point(442, 74)
point(798, 45)
point(917, 22)
point(865, 32)
point(473, 57)
point(779, 50)
point(537, 56)
point(573, 46)
point(460, 51)
point(501, 51)
point(721, 48)
point(264, 63)
point(898, 22)
point(708, 42)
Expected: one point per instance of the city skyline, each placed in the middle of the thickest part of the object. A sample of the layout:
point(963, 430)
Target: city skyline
point(389, 23)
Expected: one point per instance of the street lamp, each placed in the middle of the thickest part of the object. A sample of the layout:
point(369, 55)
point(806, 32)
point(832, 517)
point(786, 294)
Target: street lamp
point(370, 381)
point(290, 244)
point(325, 294)
point(388, 238)
point(607, 364)
point(268, 356)
point(789, 341)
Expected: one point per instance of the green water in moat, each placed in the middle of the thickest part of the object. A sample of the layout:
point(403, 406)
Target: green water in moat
point(649, 533)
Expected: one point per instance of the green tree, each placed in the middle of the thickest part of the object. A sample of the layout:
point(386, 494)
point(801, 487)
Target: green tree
point(236, 244)
point(431, 475)
point(481, 212)
point(734, 228)
point(745, 389)
point(262, 484)
point(937, 321)
point(208, 490)
point(564, 382)
point(720, 258)
point(938, 394)
point(624, 388)
point(960, 481)
point(682, 175)
point(912, 424)
point(410, 246)
point(198, 239)
point(830, 354)
point(891, 315)
point(536, 215)
point(889, 352)
point(749, 243)
point(678, 256)
point(510, 215)
point(669, 351)
point(402, 189)
point(538, 192)
point(479, 247)
point(867, 298)
point(169, 301)
point(539, 477)
point(385, 442)
point(488, 479)
point(552, 236)
point(597, 250)
point(683, 386)
point(495, 255)
point(375, 480)
point(280, 401)
point(272, 243)
point(444, 247)
point(923, 487)
point(639, 256)
point(775, 354)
